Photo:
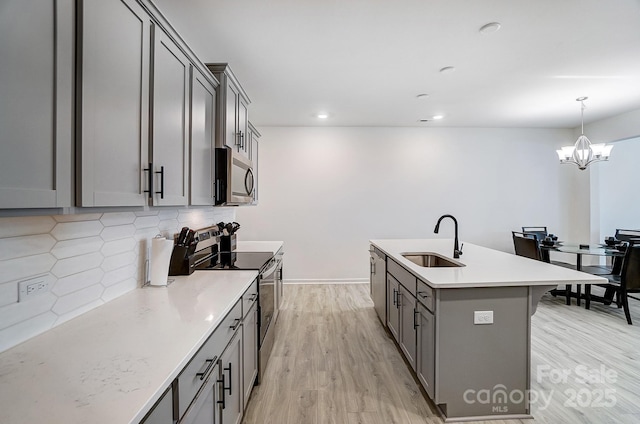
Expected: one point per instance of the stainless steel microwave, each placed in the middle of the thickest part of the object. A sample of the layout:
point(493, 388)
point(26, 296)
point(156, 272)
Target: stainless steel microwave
point(234, 178)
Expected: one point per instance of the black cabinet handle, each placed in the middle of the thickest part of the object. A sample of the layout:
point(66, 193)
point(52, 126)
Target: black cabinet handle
point(396, 301)
point(235, 325)
point(149, 180)
point(423, 295)
point(415, 322)
point(161, 172)
point(203, 374)
point(224, 405)
point(230, 379)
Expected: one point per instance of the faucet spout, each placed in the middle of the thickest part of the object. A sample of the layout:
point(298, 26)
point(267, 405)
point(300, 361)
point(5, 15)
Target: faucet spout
point(456, 250)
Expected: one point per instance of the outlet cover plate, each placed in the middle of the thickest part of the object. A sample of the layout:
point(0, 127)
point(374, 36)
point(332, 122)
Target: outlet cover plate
point(34, 286)
point(482, 317)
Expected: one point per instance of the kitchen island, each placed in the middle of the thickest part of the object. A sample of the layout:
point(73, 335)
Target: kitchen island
point(464, 325)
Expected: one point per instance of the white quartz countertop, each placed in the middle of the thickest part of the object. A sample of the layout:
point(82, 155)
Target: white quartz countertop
point(484, 267)
point(111, 364)
point(259, 246)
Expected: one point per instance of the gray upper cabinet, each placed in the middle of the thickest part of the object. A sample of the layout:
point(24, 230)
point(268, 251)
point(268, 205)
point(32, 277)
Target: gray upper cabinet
point(113, 103)
point(36, 110)
point(170, 122)
point(232, 118)
point(203, 103)
point(254, 137)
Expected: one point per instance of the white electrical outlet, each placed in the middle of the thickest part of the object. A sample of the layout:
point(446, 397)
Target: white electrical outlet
point(33, 287)
point(483, 317)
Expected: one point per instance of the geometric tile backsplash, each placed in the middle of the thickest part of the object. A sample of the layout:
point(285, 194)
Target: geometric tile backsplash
point(87, 259)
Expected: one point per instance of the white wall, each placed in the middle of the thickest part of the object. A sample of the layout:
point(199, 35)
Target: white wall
point(326, 191)
point(602, 195)
point(617, 184)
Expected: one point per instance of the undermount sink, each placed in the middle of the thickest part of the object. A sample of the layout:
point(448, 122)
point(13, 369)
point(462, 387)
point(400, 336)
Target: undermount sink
point(430, 260)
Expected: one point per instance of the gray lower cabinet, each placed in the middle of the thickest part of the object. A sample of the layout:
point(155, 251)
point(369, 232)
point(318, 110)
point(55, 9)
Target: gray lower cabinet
point(162, 412)
point(112, 109)
point(425, 355)
point(378, 273)
point(203, 104)
point(393, 307)
point(205, 409)
point(170, 122)
point(408, 325)
point(231, 381)
point(249, 352)
point(36, 110)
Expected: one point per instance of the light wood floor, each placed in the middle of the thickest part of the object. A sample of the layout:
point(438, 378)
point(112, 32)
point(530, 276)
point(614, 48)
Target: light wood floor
point(333, 362)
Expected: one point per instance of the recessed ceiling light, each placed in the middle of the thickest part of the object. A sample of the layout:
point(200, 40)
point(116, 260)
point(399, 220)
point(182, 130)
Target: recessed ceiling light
point(322, 115)
point(422, 96)
point(490, 27)
point(437, 117)
point(447, 70)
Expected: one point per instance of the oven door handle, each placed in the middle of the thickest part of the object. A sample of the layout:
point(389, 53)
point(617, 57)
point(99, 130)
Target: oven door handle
point(270, 270)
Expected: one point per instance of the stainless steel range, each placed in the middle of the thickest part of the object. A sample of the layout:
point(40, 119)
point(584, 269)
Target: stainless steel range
point(202, 250)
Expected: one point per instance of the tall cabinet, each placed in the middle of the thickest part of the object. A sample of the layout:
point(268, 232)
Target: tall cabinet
point(169, 142)
point(112, 115)
point(232, 119)
point(36, 106)
point(135, 85)
point(203, 106)
point(254, 137)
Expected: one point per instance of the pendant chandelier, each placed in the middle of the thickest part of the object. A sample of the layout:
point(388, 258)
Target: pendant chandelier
point(583, 153)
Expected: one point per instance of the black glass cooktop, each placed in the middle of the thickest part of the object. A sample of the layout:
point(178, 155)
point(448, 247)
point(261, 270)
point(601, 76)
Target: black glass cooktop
point(237, 261)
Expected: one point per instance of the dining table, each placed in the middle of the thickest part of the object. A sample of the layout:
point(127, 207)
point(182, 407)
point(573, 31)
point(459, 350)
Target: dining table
point(579, 250)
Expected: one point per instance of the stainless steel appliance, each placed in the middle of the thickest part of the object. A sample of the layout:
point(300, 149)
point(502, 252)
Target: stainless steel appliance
point(202, 252)
point(234, 178)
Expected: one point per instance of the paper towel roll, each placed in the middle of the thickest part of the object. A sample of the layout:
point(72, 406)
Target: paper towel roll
point(160, 255)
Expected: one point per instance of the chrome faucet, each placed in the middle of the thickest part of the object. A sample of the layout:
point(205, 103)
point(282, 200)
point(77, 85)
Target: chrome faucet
point(456, 251)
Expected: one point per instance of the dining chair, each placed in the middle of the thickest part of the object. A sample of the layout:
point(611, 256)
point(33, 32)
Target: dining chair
point(626, 235)
point(540, 232)
point(628, 281)
point(616, 262)
point(527, 245)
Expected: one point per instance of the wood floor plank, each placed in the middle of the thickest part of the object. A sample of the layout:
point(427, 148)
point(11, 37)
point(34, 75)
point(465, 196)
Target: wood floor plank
point(333, 362)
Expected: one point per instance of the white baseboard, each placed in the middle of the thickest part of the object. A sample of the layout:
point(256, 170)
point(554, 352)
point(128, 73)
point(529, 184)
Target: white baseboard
point(328, 281)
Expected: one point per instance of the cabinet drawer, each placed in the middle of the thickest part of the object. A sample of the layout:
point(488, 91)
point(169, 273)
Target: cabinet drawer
point(196, 372)
point(249, 298)
point(426, 295)
point(404, 277)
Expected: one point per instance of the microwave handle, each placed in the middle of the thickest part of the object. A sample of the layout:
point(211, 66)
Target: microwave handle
point(246, 177)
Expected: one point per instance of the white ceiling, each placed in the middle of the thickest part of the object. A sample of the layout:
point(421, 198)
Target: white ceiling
point(365, 61)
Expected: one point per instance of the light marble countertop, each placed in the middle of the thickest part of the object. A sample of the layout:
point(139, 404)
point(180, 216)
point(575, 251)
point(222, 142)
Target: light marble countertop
point(111, 364)
point(259, 246)
point(484, 267)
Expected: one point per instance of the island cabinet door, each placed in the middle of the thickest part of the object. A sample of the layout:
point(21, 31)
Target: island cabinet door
point(393, 307)
point(408, 325)
point(425, 355)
